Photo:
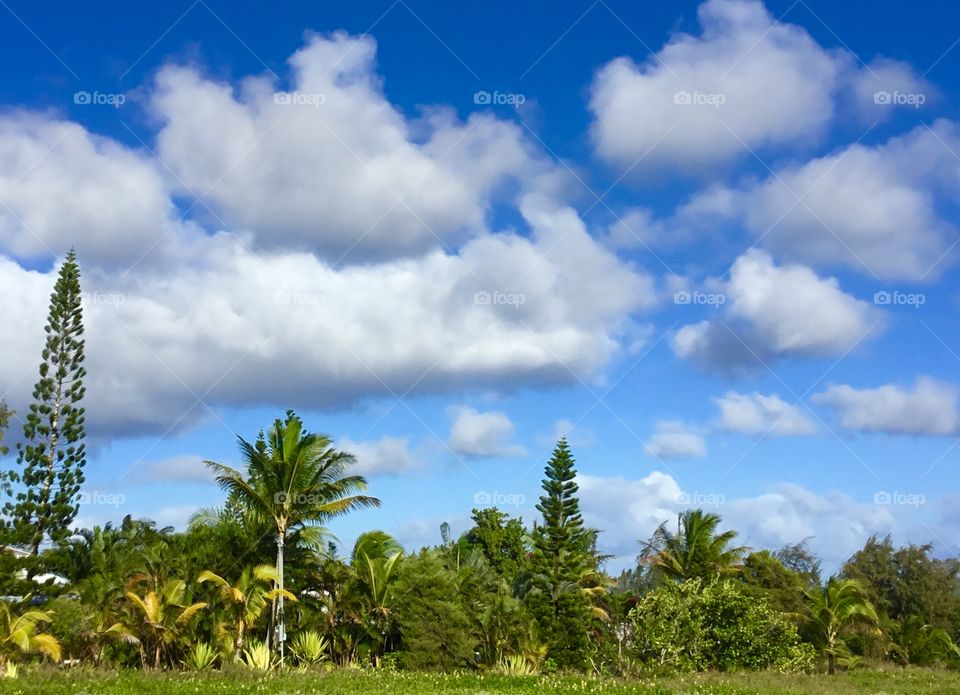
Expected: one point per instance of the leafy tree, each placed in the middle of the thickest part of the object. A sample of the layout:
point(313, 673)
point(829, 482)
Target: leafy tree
point(696, 550)
point(50, 463)
point(295, 480)
point(764, 575)
point(693, 626)
point(246, 600)
point(907, 581)
point(561, 559)
point(841, 607)
point(798, 559)
point(502, 541)
point(434, 628)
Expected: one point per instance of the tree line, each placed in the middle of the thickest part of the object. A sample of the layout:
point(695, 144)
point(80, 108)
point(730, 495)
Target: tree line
point(260, 582)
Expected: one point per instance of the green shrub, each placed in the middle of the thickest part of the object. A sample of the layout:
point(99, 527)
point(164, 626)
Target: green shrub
point(695, 627)
point(72, 623)
point(257, 656)
point(309, 648)
point(434, 629)
point(202, 657)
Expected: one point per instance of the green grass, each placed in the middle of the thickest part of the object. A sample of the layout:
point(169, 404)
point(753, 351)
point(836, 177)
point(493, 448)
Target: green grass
point(90, 682)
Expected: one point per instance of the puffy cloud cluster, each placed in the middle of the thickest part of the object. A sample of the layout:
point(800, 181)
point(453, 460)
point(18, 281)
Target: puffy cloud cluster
point(330, 165)
point(348, 252)
point(774, 311)
point(747, 82)
point(874, 209)
point(929, 407)
point(628, 510)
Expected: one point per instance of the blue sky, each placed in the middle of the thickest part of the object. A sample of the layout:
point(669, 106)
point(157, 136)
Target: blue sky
point(714, 243)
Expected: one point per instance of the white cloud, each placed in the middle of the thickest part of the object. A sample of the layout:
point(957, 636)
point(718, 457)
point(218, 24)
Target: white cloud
point(384, 456)
point(209, 318)
point(482, 435)
point(177, 516)
point(187, 468)
point(887, 86)
point(870, 208)
point(628, 510)
point(63, 186)
point(674, 440)
point(929, 408)
point(837, 524)
point(345, 174)
point(773, 311)
point(756, 413)
point(775, 82)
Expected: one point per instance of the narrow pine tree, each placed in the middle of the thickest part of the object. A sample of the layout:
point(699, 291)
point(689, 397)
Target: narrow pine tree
point(5, 415)
point(50, 463)
point(561, 558)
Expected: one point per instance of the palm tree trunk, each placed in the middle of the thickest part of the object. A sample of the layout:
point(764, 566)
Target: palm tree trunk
point(281, 625)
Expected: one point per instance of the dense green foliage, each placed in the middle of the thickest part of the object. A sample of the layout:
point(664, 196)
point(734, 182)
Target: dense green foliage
point(697, 626)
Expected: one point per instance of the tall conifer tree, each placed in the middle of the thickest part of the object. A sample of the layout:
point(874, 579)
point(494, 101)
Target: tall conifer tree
point(561, 557)
point(50, 463)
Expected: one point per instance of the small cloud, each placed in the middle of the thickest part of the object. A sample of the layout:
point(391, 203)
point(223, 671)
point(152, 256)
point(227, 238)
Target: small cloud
point(756, 413)
point(929, 408)
point(385, 456)
point(674, 439)
point(188, 468)
point(482, 435)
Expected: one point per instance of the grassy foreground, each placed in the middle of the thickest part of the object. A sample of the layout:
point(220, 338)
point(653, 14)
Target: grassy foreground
point(89, 682)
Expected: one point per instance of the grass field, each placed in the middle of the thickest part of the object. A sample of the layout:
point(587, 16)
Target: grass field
point(80, 682)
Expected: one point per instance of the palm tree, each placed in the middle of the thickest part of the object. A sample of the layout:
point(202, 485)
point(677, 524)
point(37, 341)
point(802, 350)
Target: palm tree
point(842, 605)
point(695, 550)
point(375, 554)
point(248, 598)
point(19, 635)
point(295, 480)
point(162, 616)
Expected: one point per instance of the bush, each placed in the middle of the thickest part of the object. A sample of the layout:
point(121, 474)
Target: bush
point(72, 623)
point(697, 627)
point(434, 628)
